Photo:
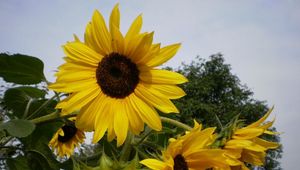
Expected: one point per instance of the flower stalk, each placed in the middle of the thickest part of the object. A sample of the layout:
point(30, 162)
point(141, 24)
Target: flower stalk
point(176, 123)
point(50, 117)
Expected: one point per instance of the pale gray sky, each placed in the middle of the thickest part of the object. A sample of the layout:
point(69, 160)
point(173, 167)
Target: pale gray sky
point(259, 38)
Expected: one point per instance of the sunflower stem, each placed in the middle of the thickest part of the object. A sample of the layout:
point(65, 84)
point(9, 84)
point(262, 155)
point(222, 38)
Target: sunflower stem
point(125, 153)
point(52, 116)
point(41, 107)
point(142, 154)
point(176, 123)
point(27, 108)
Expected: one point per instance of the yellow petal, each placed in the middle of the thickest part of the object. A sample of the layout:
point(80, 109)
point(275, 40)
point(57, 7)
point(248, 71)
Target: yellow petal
point(154, 164)
point(80, 52)
point(69, 87)
point(120, 122)
point(247, 133)
point(233, 153)
point(163, 104)
point(76, 39)
point(166, 91)
point(162, 77)
point(110, 131)
point(164, 55)
point(75, 66)
point(77, 100)
point(207, 158)
point(90, 40)
point(153, 52)
point(135, 28)
point(261, 120)
point(267, 125)
point(132, 45)
point(114, 18)
point(117, 40)
point(142, 47)
point(197, 140)
point(146, 112)
point(103, 117)
point(136, 124)
point(255, 158)
point(244, 144)
point(67, 76)
point(99, 29)
point(87, 116)
point(266, 144)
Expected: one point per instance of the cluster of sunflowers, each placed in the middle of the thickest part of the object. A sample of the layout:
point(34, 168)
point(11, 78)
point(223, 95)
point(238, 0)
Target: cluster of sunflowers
point(114, 86)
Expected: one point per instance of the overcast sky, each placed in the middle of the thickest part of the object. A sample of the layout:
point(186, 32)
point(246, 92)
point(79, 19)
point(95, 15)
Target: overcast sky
point(259, 38)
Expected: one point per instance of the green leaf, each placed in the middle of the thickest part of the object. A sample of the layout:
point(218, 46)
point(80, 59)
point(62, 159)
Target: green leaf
point(18, 127)
point(134, 164)
point(78, 165)
point(19, 163)
point(37, 143)
point(21, 69)
point(17, 98)
point(105, 162)
point(46, 109)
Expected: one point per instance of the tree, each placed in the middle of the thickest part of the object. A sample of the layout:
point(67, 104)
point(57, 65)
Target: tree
point(214, 93)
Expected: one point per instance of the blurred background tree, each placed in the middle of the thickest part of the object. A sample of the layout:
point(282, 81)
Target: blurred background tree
point(213, 92)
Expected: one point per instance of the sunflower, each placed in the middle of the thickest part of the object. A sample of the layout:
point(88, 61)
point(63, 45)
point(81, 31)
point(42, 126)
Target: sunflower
point(246, 145)
point(190, 152)
point(113, 80)
point(66, 139)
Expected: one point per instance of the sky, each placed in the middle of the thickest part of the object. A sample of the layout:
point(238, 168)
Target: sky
point(260, 39)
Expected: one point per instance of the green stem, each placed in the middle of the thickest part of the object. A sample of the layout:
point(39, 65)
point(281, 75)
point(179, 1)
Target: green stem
point(52, 116)
point(41, 107)
point(146, 134)
point(125, 153)
point(142, 154)
point(27, 108)
point(176, 123)
point(6, 141)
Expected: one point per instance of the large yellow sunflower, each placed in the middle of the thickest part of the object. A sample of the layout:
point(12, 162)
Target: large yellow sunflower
point(191, 152)
point(66, 139)
point(114, 81)
point(246, 146)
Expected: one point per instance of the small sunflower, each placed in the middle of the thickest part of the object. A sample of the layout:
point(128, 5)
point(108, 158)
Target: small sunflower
point(190, 152)
point(246, 146)
point(66, 139)
point(113, 80)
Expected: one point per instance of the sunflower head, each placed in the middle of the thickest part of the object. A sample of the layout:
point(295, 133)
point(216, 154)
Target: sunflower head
point(113, 80)
point(66, 139)
point(191, 151)
point(245, 145)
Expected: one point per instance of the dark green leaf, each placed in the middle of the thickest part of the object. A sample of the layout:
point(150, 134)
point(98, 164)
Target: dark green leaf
point(105, 162)
point(37, 143)
point(18, 127)
point(17, 98)
point(46, 109)
point(19, 163)
point(21, 69)
point(134, 164)
point(39, 161)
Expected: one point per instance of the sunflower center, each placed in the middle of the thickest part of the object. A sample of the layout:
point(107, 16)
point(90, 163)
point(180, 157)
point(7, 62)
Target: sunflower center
point(69, 132)
point(117, 75)
point(179, 163)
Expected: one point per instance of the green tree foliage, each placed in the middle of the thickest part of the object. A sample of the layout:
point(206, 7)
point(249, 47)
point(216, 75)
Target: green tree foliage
point(213, 90)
